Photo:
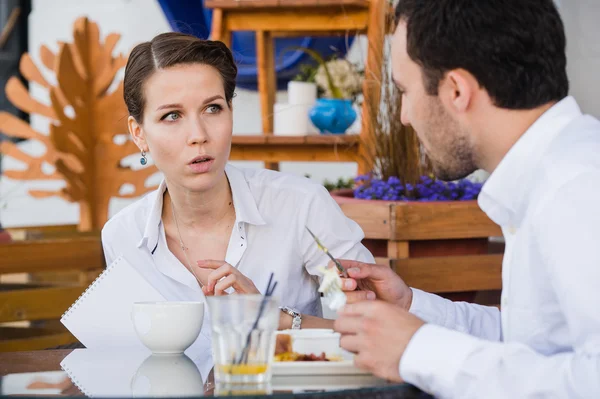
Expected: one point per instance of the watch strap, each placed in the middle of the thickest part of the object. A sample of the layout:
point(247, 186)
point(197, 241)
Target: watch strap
point(296, 317)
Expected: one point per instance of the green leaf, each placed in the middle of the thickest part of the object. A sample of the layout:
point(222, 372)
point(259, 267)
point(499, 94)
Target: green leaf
point(335, 91)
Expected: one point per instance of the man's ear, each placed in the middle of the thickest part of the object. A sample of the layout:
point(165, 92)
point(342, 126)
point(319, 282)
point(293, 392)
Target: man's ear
point(137, 134)
point(457, 89)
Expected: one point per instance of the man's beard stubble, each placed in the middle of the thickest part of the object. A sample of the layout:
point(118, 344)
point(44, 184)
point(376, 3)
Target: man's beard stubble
point(454, 158)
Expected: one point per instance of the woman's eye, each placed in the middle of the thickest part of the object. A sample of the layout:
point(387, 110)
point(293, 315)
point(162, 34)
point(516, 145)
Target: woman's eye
point(171, 116)
point(214, 109)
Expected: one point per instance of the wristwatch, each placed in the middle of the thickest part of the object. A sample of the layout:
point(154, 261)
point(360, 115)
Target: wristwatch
point(296, 316)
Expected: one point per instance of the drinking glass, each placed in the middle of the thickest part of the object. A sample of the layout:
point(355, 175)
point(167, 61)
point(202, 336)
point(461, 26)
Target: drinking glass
point(243, 348)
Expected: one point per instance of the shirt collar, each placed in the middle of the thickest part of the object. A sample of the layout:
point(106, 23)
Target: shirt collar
point(502, 197)
point(246, 210)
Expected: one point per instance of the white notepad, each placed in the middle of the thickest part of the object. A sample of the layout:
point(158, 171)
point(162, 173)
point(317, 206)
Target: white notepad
point(101, 317)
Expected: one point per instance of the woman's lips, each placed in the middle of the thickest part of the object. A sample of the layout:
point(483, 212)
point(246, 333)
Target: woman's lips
point(202, 167)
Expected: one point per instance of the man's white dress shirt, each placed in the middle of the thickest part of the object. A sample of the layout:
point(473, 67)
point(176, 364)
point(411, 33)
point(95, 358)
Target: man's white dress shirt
point(545, 194)
point(269, 235)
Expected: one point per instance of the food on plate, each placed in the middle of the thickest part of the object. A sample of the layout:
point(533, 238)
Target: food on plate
point(299, 357)
point(285, 353)
point(283, 343)
point(331, 286)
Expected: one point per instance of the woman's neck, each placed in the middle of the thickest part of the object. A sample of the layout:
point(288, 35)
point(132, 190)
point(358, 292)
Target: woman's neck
point(194, 210)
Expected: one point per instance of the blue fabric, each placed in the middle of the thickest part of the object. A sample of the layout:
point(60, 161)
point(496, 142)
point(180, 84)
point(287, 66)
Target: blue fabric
point(190, 16)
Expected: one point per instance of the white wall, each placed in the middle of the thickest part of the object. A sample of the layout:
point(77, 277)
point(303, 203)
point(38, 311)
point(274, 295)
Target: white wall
point(581, 19)
point(140, 20)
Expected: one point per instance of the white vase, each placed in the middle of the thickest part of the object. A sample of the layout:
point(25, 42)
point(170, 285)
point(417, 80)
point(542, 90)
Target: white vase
point(302, 93)
point(290, 120)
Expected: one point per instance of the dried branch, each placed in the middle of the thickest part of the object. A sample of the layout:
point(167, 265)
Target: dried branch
point(393, 148)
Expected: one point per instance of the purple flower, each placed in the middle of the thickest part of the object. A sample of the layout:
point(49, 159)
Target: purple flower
point(427, 189)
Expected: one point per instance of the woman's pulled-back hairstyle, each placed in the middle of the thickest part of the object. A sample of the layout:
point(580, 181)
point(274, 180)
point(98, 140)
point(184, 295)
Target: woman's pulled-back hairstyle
point(168, 50)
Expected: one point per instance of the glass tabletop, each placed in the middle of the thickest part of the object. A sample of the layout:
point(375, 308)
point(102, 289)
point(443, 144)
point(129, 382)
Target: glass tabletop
point(123, 373)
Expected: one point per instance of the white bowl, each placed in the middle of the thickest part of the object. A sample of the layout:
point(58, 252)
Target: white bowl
point(167, 327)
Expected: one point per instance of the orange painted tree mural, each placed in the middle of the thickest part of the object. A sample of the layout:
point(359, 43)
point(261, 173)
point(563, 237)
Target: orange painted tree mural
point(85, 117)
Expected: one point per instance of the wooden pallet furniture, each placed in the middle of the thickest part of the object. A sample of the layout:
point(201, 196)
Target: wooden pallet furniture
point(43, 303)
point(438, 247)
point(290, 18)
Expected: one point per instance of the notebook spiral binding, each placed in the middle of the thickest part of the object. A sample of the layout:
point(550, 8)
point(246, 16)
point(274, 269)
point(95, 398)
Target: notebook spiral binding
point(91, 287)
point(76, 382)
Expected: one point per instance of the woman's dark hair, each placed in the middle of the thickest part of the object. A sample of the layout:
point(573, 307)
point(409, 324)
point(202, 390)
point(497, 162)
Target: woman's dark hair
point(167, 50)
point(514, 48)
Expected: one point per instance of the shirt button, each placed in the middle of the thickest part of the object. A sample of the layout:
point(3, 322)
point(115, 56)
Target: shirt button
point(512, 230)
point(504, 301)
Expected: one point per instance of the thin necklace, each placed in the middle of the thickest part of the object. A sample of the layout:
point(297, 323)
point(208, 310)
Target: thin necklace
point(183, 247)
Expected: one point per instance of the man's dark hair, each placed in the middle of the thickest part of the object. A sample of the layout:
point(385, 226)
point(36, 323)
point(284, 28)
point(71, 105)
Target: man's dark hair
point(514, 48)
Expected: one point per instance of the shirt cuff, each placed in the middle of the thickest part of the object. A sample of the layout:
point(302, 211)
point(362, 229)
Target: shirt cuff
point(433, 358)
point(429, 307)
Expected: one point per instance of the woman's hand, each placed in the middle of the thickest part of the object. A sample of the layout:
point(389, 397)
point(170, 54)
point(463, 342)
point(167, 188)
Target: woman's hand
point(224, 276)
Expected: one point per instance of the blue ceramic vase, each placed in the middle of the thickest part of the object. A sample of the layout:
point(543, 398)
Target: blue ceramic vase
point(331, 115)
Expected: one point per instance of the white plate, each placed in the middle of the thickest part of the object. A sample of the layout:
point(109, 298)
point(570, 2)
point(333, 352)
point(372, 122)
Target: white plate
point(344, 367)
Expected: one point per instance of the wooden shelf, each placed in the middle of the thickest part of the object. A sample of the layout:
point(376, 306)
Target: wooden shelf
point(291, 18)
point(323, 148)
point(233, 4)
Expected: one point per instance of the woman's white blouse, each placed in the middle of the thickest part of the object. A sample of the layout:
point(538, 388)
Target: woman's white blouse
point(269, 235)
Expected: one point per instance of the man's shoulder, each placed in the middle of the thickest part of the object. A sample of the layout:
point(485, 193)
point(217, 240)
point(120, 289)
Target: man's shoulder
point(573, 153)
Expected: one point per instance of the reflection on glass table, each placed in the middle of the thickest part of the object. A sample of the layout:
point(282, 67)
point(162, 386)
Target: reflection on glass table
point(139, 374)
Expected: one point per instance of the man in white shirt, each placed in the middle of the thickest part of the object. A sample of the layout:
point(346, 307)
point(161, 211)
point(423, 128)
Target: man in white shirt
point(484, 85)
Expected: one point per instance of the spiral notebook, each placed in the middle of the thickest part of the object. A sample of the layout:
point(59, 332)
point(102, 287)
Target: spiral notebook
point(101, 317)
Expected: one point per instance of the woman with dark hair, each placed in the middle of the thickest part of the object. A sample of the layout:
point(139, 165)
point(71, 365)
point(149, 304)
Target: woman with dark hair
point(211, 228)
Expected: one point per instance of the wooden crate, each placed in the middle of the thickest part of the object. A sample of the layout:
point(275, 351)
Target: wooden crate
point(440, 247)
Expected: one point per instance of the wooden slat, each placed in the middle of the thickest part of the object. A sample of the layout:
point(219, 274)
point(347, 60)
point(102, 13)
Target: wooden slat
point(450, 220)
point(44, 339)
point(294, 148)
point(21, 233)
point(346, 140)
point(398, 249)
point(314, 33)
point(374, 220)
point(32, 361)
point(240, 4)
point(38, 303)
point(309, 153)
point(451, 273)
point(76, 253)
point(299, 20)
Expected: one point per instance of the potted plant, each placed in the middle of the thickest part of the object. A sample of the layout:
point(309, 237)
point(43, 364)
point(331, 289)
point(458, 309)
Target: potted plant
point(403, 209)
point(302, 89)
point(339, 83)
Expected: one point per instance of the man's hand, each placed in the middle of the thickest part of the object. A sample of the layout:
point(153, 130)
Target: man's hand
point(375, 281)
point(378, 333)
